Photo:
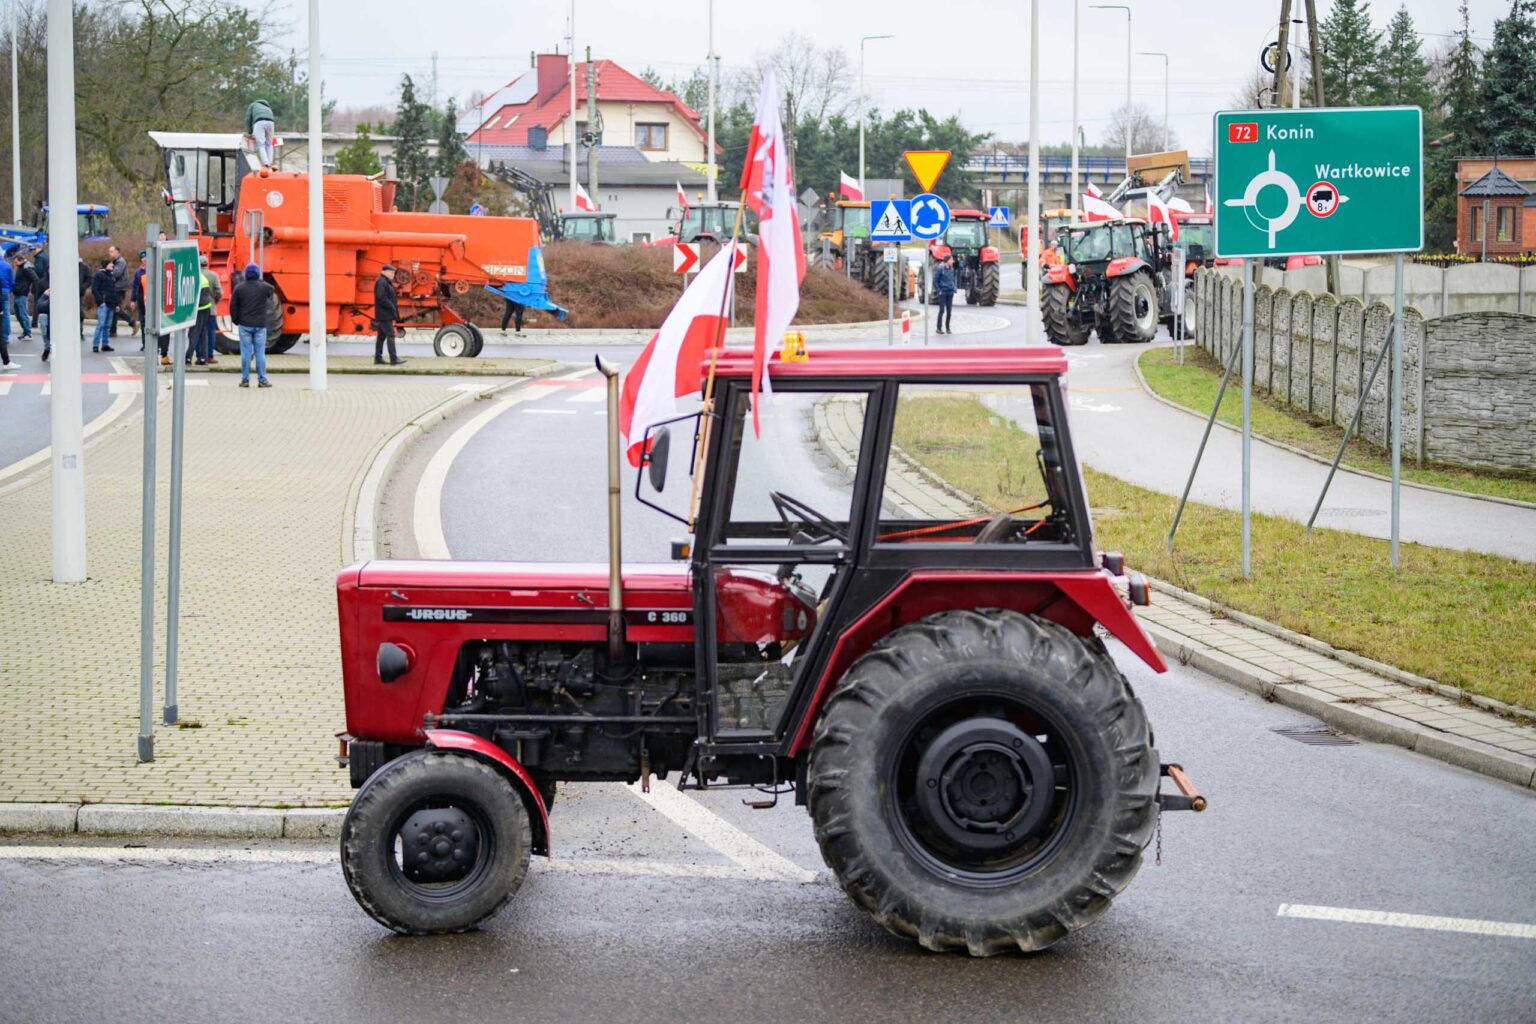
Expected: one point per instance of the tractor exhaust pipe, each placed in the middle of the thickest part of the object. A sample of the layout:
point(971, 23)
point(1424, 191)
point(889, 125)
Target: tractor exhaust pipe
point(616, 642)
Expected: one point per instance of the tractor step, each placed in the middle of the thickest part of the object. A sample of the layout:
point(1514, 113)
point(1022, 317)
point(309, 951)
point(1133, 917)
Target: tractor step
point(1188, 798)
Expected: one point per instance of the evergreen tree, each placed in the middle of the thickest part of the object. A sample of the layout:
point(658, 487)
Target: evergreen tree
point(412, 165)
point(450, 144)
point(1351, 48)
point(357, 156)
point(1461, 134)
point(1509, 81)
point(1402, 73)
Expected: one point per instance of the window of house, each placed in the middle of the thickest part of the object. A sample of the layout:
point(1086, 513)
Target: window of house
point(651, 136)
point(1476, 233)
point(639, 236)
point(492, 122)
point(1506, 224)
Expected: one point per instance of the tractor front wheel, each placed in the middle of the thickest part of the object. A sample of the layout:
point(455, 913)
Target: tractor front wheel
point(1133, 307)
point(454, 341)
point(991, 281)
point(1060, 328)
point(983, 780)
point(435, 842)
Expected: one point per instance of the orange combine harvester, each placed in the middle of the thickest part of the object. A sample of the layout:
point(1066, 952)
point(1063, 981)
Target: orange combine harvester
point(240, 217)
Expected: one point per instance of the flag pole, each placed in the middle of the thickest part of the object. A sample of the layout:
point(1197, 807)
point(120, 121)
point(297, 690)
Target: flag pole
point(714, 355)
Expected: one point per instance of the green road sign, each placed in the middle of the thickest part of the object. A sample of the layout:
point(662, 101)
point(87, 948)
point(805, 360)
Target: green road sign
point(1324, 180)
point(180, 283)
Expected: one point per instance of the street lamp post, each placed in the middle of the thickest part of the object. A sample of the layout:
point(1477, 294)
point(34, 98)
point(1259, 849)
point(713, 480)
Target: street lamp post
point(317, 353)
point(1127, 10)
point(1032, 253)
point(710, 60)
point(1158, 53)
point(1076, 129)
point(15, 126)
point(862, 41)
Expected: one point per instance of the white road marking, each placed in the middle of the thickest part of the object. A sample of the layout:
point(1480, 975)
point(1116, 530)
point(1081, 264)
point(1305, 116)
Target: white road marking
point(704, 824)
point(590, 395)
point(47, 388)
point(1430, 922)
point(125, 387)
point(427, 513)
point(552, 412)
point(470, 387)
point(5, 387)
point(635, 867)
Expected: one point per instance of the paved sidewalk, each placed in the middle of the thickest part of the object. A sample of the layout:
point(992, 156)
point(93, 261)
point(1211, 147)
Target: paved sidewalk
point(268, 478)
point(1344, 690)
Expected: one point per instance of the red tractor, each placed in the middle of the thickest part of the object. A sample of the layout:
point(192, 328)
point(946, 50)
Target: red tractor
point(1114, 278)
point(921, 670)
point(978, 272)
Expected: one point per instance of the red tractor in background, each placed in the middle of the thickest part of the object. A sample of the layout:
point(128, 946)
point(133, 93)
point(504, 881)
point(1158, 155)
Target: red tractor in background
point(1115, 279)
point(922, 674)
point(239, 216)
point(978, 272)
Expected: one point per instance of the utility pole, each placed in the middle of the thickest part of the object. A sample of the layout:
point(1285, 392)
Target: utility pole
point(1282, 54)
point(862, 105)
point(591, 127)
point(711, 65)
point(1330, 263)
point(68, 461)
point(15, 126)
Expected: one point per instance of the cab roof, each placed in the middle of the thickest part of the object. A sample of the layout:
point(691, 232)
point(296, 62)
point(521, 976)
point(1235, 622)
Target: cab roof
point(900, 363)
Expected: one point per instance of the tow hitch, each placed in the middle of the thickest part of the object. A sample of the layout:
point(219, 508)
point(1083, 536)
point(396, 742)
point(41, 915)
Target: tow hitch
point(1188, 798)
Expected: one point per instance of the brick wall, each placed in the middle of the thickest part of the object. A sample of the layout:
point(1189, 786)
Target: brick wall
point(1316, 353)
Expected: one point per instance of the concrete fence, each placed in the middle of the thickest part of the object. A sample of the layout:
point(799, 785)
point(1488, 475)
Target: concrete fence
point(1469, 379)
point(1435, 292)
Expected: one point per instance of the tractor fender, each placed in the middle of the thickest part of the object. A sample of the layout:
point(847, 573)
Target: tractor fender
point(1078, 600)
point(1056, 273)
point(989, 254)
point(474, 746)
point(1125, 265)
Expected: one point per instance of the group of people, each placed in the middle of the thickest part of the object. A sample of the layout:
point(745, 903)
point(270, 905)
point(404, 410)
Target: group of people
point(24, 293)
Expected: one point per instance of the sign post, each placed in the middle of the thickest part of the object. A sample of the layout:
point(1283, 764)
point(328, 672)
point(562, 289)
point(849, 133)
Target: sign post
point(1322, 181)
point(1178, 305)
point(890, 220)
point(892, 252)
point(171, 287)
point(178, 312)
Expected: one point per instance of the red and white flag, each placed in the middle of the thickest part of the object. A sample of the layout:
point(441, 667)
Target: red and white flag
point(1180, 205)
point(1093, 190)
point(682, 200)
point(1158, 213)
point(1095, 208)
point(1210, 207)
point(768, 184)
point(668, 368)
point(847, 188)
point(584, 201)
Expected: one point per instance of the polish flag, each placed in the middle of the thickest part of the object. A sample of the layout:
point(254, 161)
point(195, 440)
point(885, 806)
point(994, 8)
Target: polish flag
point(1093, 190)
point(682, 200)
point(849, 189)
point(584, 201)
point(768, 184)
point(1159, 213)
point(668, 368)
point(1095, 208)
point(1179, 205)
point(1210, 207)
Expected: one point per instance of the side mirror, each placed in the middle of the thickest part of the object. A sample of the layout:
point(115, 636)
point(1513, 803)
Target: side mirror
point(656, 458)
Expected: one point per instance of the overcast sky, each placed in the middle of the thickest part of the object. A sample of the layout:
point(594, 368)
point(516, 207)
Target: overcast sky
point(974, 65)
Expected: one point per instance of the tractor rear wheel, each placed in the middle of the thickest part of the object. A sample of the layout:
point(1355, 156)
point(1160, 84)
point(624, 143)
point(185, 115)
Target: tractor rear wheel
point(983, 780)
point(991, 281)
point(276, 346)
point(454, 341)
point(1190, 318)
point(1060, 328)
point(435, 842)
point(479, 340)
point(1133, 307)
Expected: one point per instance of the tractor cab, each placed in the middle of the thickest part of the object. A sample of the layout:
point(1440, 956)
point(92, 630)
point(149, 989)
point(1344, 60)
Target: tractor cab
point(203, 171)
point(1197, 237)
point(589, 227)
point(714, 222)
point(977, 268)
point(1114, 278)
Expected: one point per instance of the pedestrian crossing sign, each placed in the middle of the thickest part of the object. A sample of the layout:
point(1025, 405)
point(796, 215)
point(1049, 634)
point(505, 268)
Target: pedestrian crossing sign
point(890, 220)
point(998, 218)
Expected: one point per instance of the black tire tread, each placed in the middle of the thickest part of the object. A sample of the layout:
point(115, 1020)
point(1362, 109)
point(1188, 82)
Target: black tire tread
point(1059, 327)
point(891, 665)
point(991, 282)
point(1122, 306)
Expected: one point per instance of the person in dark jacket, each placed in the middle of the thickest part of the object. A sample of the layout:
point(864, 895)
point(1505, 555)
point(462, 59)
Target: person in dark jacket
point(123, 279)
point(104, 291)
point(944, 292)
point(41, 310)
point(248, 304)
point(386, 310)
point(40, 266)
point(26, 280)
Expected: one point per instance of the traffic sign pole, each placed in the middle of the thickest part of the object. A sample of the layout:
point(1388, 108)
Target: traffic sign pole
point(926, 294)
point(152, 278)
point(1247, 419)
point(1397, 404)
point(178, 349)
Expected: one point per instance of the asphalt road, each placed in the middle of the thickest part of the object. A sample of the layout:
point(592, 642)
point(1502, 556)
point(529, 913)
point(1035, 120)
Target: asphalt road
point(614, 928)
point(25, 399)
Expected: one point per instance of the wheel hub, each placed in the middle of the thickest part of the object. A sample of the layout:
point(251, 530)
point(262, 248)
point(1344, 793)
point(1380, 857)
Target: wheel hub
point(985, 784)
point(440, 844)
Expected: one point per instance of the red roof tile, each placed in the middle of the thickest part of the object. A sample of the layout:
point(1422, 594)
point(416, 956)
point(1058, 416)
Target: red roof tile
point(614, 85)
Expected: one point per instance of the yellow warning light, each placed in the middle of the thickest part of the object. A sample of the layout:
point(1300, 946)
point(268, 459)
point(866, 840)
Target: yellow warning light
point(794, 348)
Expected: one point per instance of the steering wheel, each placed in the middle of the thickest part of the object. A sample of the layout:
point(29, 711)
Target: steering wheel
point(816, 527)
point(996, 530)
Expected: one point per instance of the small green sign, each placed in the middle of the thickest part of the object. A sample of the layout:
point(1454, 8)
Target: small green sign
point(180, 282)
point(1319, 181)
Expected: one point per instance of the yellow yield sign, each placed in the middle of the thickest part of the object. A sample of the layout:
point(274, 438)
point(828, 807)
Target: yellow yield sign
point(927, 165)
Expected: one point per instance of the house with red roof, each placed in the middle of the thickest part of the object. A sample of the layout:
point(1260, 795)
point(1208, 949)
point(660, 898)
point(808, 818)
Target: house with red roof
point(534, 110)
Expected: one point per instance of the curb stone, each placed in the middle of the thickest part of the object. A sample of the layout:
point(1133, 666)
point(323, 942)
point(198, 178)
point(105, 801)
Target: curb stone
point(186, 821)
point(1170, 403)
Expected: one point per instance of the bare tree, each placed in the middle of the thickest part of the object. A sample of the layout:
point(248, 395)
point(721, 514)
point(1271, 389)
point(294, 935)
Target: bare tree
point(1257, 92)
point(1145, 129)
point(816, 82)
